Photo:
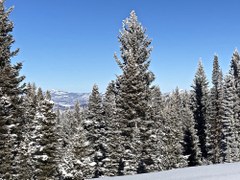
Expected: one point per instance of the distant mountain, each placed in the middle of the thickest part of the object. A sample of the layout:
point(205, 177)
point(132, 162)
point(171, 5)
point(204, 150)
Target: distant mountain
point(65, 100)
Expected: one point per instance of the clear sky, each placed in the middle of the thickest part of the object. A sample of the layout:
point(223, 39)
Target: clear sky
point(69, 44)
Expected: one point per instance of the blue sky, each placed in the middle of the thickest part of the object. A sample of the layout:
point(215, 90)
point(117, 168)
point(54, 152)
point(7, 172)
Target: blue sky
point(69, 44)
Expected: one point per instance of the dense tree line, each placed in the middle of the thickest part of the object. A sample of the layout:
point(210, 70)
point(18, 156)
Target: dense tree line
point(132, 128)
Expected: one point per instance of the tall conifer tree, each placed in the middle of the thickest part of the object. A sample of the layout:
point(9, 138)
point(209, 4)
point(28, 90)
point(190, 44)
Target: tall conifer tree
point(112, 132)
point(11, 109)
point(235, 73)
point(133, 90)
point(191, 147)
point(229, 133)
point(96, 132)
point(173, 133)
point(157, 136)
point(44, 139)
point(199, 106)
point(215, 115)
point(30, 105)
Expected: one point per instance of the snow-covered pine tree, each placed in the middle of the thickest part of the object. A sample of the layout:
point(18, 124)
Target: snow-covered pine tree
point(157, 106)
point(199, 106)
point(191, 147)
point(44, 139)
point(215, 115)
point(229, 134)
point(96, 132)
point(69, 124)
point(81, 160)
point(65, 165)
point(113, 148)
point(156, 102)
point(77, 113)
point(172, 152)
point(65, 147)
point(11, 108)
point(70, 121)
point(133, 91)
point(30, 105)
point(109, 103)
point(76, 162)
point(151, 134)
point(235, 73)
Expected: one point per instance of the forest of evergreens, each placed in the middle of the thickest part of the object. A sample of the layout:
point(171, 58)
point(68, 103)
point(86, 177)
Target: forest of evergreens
point(133, 128)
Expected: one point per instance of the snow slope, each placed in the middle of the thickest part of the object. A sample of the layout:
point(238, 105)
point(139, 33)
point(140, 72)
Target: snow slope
point(229, 171)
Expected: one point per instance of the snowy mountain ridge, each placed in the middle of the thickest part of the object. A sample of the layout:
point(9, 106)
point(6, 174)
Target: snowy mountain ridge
point(64, 100)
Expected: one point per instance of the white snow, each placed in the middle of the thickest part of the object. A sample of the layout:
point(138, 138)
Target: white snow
point(88, 122)
point(85, 144)
point(99, 154)
point(58, 92)
point(78, 162)
point(42, 157)
point(229, 171)
point(92, 164)
point(65, 174)
point(11, 126)
point(65, 105)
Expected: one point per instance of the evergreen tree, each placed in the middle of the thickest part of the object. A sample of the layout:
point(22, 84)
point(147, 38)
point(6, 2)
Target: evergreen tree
point(76, 162)
point(173, 133)
point(113, 149)
point(58, 116)
point(65, 165)
point(215, 115)
point(69, 124)
point(77, 112)
point(109, 103)
point(30, 104)
point(156, 102)
point(69, 137)
point(191, 140)
point(96, 132)
point(82, 164)
point(151, 134)
point(199, 106)
point(11, 108)
point(229, 133)
point(133, 90)
point(157, 106)
point(235, 72)
point(44, 139)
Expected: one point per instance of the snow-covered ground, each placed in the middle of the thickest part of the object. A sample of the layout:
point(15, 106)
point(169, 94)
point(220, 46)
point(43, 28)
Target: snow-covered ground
point(229, 171)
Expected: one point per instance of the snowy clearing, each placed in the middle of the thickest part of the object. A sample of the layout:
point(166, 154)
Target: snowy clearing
point(229, 171)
